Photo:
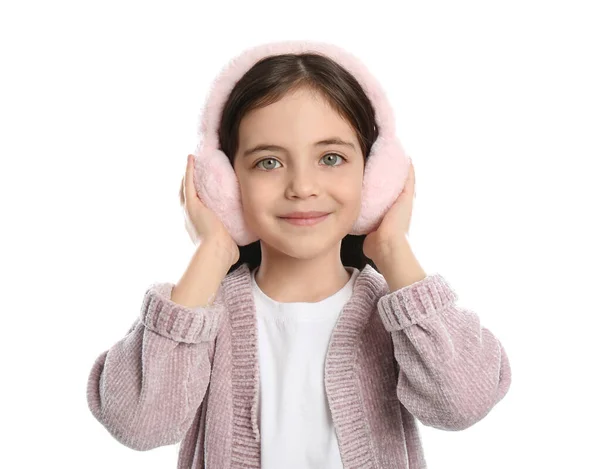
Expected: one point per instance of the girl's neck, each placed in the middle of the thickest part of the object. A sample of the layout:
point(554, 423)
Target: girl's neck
point(306, 282)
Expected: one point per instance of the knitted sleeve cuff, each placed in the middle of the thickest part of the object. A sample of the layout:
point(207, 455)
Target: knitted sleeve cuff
point(409, 305)
point(180, 323)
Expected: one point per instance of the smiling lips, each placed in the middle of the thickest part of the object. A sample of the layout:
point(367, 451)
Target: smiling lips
point(311, 214)
point(305, 221)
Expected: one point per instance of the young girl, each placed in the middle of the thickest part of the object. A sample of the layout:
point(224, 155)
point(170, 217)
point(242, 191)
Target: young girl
point(309, 347)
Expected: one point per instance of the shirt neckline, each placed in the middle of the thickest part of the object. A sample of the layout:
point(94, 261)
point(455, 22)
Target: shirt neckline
point(305, 310)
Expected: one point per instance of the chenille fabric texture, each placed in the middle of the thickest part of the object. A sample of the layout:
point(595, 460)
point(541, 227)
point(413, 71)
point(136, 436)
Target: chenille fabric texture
point(191, 375)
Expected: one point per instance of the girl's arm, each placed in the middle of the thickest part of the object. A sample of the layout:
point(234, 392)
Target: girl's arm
point(451, 370)
point(147, 388)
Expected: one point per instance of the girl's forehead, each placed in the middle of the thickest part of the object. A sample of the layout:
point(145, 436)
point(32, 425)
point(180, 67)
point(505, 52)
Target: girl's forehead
point(291, 119)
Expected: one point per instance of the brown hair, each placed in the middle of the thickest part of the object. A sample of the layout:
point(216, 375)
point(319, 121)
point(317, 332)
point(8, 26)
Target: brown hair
point(267, 82)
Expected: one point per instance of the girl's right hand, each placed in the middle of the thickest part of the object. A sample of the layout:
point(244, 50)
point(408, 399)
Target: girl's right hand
point(201, 222)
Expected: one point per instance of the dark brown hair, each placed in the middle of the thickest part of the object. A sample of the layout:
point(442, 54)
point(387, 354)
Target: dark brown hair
point(267, 82)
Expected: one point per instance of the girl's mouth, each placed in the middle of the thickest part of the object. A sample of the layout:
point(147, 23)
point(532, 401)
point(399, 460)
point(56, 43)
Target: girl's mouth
point(305, 221)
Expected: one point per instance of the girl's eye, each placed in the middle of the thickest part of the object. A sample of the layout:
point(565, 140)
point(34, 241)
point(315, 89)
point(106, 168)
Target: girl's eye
point(328, 154)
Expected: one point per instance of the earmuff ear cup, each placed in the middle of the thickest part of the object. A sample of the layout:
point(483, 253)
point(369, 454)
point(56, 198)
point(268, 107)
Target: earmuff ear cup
point(218, 188)
point(385, 174)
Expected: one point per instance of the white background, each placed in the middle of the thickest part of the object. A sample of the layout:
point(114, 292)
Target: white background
point(498, 104)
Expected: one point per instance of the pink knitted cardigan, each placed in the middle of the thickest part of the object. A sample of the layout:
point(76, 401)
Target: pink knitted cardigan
point(190, 375)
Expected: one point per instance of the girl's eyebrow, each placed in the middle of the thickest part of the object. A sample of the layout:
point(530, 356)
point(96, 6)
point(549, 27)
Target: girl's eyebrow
point(269, 147)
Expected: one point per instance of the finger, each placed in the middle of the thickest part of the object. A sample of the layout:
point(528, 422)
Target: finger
point(408, 185)
point(412, 175)
point(192, 194)
point(189, 178)
point(183, 192)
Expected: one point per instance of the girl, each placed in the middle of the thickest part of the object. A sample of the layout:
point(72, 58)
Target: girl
point(309, 347)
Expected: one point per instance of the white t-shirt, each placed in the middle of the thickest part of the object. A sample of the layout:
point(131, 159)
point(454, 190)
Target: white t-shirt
point(295, 422)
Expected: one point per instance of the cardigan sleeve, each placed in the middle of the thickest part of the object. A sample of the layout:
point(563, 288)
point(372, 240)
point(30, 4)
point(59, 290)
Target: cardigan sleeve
point(146, 389)
point(451, 370)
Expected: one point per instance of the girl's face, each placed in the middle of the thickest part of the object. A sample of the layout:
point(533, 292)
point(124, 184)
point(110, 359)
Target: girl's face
point(301, 175)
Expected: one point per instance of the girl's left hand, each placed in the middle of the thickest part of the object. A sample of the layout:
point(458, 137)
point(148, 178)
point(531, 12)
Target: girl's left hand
point(396, 221)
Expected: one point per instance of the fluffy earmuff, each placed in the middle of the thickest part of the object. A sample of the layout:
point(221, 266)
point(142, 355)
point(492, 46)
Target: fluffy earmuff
point(216, 183)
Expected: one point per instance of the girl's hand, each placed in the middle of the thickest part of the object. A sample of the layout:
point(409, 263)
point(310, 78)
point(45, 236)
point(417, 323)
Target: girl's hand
point(201, 222)
point(395, 223)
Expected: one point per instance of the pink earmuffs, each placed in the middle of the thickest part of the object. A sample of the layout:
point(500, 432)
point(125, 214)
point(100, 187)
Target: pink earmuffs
point(216, 183)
